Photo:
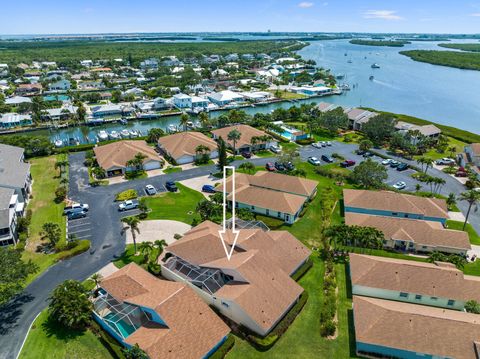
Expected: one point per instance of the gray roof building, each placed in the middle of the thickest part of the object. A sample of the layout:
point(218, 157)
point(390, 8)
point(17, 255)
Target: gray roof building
point(13, 171)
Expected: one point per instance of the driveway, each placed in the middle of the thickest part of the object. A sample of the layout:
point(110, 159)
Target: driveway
point(198, 182)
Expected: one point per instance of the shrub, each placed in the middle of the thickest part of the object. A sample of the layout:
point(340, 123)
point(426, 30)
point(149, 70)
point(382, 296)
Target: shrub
point(126, 195)
point(60, 194)
point(83, 246)
point(223, 350)
point(245, 214)
point(328, 328)
point(306, 141)
point(177, 236)
point(337, 156)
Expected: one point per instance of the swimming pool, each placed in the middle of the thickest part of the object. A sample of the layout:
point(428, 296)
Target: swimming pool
point(120, 326)
point(291, 133)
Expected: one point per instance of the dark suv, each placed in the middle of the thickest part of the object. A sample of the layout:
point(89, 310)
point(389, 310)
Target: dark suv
point(327, 159)
point(279, 166)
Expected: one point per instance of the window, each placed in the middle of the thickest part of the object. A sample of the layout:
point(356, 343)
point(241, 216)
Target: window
point(279, 214)
point(252, 207)
point(403, 295)
point(406, 215)
point(225, 304)
point(451, 302)
point(433, 298)
point(268, 212)
point(418, 297)
point(394, 214)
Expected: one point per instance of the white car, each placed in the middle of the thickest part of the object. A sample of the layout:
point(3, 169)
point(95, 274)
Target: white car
point(445, 161)
point(328, 143)
point(317, 145)
point(275, 149)
point(400, 185)
point(76, 207)
point(127, 205)
point(386, 161)
point(314, 161)
point(150, 190)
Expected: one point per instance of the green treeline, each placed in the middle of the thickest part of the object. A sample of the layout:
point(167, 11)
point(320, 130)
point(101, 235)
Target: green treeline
point(390, 43)
point(461, 60)
point(64, 52)
point(463, 47)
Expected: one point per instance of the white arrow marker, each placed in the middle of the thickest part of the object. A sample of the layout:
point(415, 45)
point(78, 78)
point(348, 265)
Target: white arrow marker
point(223, 231)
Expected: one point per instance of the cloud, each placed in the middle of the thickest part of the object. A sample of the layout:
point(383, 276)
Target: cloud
point(476, 14)
point(381, 14)
point(305, 4)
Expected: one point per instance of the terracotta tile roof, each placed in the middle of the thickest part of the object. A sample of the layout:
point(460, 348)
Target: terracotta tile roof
point(427, 233)
point(192, 328)
point(247, 132)
point(117, 154)
point(185, 143)
point(395, 202)
point(262, 263)
point(416, 328)
point(436, 280)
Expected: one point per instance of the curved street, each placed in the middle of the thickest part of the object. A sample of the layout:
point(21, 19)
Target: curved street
point(107, 242)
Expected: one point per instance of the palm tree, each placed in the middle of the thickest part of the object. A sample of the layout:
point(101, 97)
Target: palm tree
point(234, 136)
point(452, 150)
point(472, 197)
point(160, 244)
point(184, 118)
point(132, 225)
point(451, 200)
point(97, 278)
point(204, 119)
point(145, 248)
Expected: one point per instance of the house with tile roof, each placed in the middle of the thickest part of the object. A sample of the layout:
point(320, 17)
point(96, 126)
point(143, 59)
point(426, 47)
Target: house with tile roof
point(246, 134)
point(392, 204)
point(413, 235)
point(471, 157)
point(166, 319)
point(271, 194)
point(390, 329)
point(182, 146)
point(113, 157)
point(434, 284)
point(254, 288)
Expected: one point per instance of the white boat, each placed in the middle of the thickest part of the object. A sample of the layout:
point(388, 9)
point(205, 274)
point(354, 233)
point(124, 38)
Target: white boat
point(375, 66)
point(172, 128)
point(125, 133)
point(134, 133)
point(103, 135)
point(190, 124)
point(114, 135)
point(58, 143)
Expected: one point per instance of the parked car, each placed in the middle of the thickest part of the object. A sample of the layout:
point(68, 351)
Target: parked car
point(359, 152)
point(314, 161)
point(150, 190)
point(387, 161)
point(289, 166)
point(275, 149)
point(328, 143)
point(368, 154)
point(347, 163)
point(445, 161)
point(400, 185)
point(317, 144)
point(328, 159)
point(270, 167)
point(76, 207)
point(394, 164)
point(461, 174)
point(171, 186)
point(402, 167)
point(77, 215)
point(246, 154)
point(208, 188)
point(279, 166)
point(128, 205)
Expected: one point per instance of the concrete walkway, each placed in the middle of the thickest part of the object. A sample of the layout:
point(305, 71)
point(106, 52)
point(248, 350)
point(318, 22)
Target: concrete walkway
point(107, 270)
point(457, 216)
point(153, 230)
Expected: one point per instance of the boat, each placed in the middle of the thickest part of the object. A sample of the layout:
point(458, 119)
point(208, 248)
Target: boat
point(114, 135)
point(345, 54)
point(340, 76)
point(58, 143)
point(172, 128)
point(371, 78)
point(190, 124)
point(102, 135)
point(123, 121)
point(375, 66)
point(349, 61)
point(124, 133)
point(72, 141)
point(134, 133)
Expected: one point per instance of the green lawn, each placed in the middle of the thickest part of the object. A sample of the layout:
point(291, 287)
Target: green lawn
point(288, 145)
point(474, 237)
point(285, 95)
point(127, 257)
point(435, 155)
point(47, 340)
point(179, 206)
point(302, 339)
point(264, 153)
point(172, 169)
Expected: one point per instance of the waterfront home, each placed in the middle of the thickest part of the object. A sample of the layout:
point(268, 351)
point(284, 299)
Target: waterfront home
point(29, 89)
point(325, 106)
point(199, 102)
point(224, 98)
point(254, 288)
point(110, 110)
point(62, 113)
point(257, 96)
point(271, 194)
point(182, 101)
point(15, 172)
point(431, 132)
point(113, 157)
point(167, 320)
point(261, 140)
point(182, 146)
point(389, 329)
point(413, 235)
point(358, 117)
point(9, 213)
point(160, 104)
point(471, 157)
point(60, 85)
point(434, 284)
point(17, 100)
point(11, 120)
point(312, 90)
point(386, 203)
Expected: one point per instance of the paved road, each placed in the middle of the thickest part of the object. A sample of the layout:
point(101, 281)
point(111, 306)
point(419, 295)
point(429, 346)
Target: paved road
point(103, 228)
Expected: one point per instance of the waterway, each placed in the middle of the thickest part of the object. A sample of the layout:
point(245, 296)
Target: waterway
point(441, 94)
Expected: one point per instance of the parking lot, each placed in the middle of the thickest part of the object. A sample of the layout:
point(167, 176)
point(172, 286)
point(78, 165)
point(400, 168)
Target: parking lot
point(80, 228)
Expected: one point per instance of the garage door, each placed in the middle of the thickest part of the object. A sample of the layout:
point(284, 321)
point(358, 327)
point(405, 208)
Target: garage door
point(152, 165)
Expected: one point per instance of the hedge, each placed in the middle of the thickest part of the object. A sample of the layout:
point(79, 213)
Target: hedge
point(302, 270)
point(221, 352)
point(126, 195)
point(83, 246)
point(114, 348)
point(306, 141)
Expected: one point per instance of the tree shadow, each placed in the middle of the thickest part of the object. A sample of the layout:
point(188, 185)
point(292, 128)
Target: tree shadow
point(11, 311)
point(52, 328)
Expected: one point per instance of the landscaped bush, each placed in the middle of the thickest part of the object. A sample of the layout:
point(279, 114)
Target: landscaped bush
point(328, 328)
point(60, 194)
point(306, 141)
point(221, 352)
point(302, 270)
point(337, 156)
point(114, 348)
point(126, 195)
point(82, 246)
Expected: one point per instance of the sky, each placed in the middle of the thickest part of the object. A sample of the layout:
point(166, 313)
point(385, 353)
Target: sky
point(113, 16)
